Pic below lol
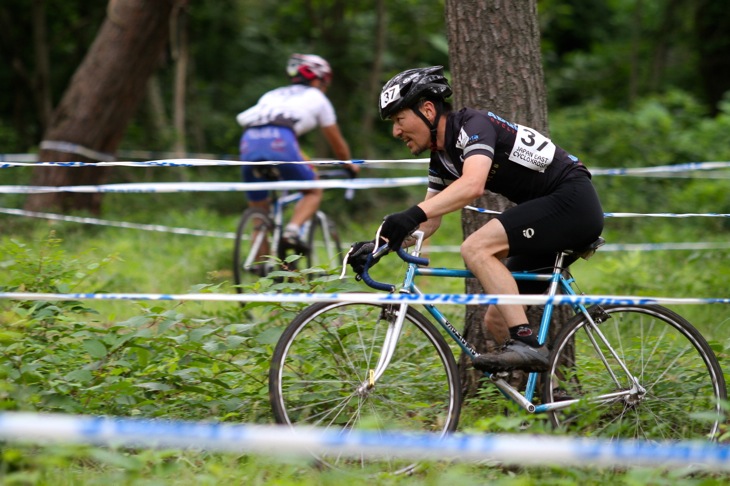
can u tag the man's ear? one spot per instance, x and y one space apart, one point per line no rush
429 110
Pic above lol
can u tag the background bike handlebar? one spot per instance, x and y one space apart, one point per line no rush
403 254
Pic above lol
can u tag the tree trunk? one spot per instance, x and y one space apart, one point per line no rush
374 79
101 98
496 65
181 56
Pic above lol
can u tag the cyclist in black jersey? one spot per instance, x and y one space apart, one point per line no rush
556 204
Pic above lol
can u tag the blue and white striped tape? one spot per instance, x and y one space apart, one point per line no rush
373 298
174 187
205 163
661 169
118 224
610 247
191 160
627 215
279 440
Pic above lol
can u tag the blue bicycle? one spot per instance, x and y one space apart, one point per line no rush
616 371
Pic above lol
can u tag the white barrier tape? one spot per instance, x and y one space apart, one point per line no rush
208 163
118 224
172 187
172 159
431 248
662 169
625 215
611 247
372 298
18 158
666 215
281 440
76 149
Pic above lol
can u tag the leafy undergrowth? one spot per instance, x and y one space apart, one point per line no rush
196 361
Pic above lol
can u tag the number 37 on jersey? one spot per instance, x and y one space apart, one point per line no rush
532 149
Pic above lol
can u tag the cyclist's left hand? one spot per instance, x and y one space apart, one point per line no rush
358 255
397 226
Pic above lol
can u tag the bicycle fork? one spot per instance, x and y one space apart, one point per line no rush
395 319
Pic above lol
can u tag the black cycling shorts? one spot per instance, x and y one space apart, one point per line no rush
571 217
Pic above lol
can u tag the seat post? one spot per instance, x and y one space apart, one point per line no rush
557 271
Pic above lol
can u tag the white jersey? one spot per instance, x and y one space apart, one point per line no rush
300 107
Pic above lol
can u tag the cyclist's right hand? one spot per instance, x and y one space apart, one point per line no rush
352 169
358 255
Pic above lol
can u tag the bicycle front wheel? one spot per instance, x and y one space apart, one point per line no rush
254 237
641 372
322 366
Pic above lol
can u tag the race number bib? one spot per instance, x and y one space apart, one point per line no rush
532 149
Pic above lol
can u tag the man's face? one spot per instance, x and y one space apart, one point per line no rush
408 127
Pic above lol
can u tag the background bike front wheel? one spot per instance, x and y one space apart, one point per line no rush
254 236
325 248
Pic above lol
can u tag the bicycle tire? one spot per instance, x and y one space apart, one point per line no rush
325 355
325 248
249 247
681 377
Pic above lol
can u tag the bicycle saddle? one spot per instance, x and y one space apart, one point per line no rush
587 251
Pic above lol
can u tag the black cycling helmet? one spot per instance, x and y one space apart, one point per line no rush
406 89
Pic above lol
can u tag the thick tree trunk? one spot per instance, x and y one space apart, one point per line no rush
496 65
101 98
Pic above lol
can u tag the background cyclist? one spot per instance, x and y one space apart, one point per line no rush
271 128
557 206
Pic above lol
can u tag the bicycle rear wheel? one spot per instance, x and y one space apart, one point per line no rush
672 391
325 248
319 376
254 237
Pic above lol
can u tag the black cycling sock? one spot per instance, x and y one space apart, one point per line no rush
524 333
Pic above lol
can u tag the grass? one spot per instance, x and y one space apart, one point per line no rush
148 262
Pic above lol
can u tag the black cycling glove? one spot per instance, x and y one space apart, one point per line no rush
397 226
358 255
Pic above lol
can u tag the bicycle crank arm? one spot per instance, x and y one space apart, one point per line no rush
512 393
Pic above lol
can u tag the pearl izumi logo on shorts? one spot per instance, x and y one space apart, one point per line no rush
528 233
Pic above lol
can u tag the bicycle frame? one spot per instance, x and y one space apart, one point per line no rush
557 282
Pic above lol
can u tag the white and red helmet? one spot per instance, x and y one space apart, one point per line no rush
303 68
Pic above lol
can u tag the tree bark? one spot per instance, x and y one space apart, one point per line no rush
496 65
374 81
181 55
101 98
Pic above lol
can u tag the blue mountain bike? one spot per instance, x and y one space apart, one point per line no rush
616 371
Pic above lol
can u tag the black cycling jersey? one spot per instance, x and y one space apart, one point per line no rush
525 164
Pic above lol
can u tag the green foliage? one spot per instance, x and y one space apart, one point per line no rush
660 130
210 362
160 363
